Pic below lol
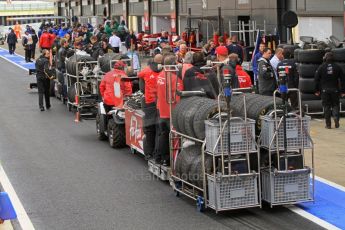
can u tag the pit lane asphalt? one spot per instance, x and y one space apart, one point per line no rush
67 179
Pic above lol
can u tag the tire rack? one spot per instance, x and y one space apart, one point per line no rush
286 180
84 101
200 194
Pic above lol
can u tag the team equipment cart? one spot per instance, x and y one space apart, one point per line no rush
284 137
225 172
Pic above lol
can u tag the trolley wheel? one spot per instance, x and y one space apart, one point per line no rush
200 204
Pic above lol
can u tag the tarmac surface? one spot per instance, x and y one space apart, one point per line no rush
67 179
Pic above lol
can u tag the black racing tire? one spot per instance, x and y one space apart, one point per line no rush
296 54
71 94
105 61
205 112
306 85
338 54
177 111
116 134
71 65
313 106
311 56
195 171
188 115
101 126
309 97
307 70
188 155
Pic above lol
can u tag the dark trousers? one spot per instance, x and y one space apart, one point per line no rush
33 51
43 85
330 102
11 48
150 128
28 54
61 79
116 50
163 145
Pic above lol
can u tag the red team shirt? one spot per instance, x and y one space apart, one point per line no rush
162 103
150 78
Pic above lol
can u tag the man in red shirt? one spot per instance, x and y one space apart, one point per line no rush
113 89
243 77
148 78
162 155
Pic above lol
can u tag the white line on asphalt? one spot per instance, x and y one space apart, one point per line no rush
22 216
330 183
312 218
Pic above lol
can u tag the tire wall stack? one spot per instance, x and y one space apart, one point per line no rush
308 62
339 58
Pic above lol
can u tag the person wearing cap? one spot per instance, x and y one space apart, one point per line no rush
148 79
27 44
330 84
107 86
227 67
162 155
266 76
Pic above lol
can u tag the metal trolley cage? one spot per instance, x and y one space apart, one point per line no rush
309 111
280 184
86 76
220 190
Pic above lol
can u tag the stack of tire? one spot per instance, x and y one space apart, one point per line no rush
190 114
71 68
189 165
308 61
339 58
189 117
256 105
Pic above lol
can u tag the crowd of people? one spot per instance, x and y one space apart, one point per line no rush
109 37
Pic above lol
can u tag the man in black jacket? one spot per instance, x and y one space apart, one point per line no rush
289 64
196 79
43 82
330 83
61 66
266 77
11 41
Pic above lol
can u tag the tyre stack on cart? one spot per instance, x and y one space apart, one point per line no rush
215 173
339 58
82 87
308 61
286 178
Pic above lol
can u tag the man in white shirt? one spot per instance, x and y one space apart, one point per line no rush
278 57
115 42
